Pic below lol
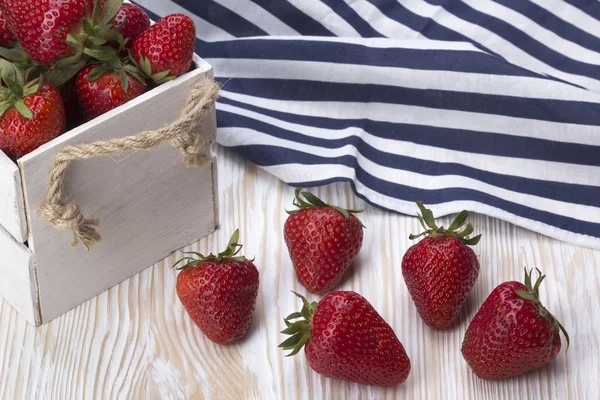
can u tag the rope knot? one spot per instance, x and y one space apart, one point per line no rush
69 217
191 146
192 150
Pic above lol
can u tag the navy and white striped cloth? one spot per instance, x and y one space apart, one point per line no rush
487 105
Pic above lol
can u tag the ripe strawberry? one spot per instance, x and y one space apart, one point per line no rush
45 39
6 36
30 116
132 20
100 88
165 50
345 338
512 333
322 240
441 270
219 292
63 35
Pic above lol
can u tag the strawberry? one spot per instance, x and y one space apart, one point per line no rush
43 38
6 36
165 50
64 35
512 333
30 115
322 240
100 88
345 338
441 269
219 292
132 21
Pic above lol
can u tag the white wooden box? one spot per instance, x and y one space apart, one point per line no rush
149 204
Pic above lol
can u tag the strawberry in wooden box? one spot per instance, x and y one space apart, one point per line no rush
83 210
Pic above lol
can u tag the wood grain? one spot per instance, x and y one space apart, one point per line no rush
12 208
148 203
136 342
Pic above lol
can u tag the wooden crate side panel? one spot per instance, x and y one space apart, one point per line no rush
149 204
12 208
17 277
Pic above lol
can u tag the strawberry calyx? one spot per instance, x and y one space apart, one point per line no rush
229 254
312 201
300 329
123 70
532 294
17 57
146 67
91 44
16 90
454 230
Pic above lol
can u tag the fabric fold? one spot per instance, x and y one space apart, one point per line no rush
492 106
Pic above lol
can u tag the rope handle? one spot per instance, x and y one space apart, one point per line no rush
191 146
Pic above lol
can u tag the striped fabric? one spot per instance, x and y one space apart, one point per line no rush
490 106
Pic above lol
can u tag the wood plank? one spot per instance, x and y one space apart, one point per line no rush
17 277
149 203
135 341
12 208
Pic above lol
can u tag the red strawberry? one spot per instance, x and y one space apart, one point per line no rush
219 292
6 36
64 35
30 116
345 338
322 240
512 333
165 50
441 270
100 88
42 26
132 20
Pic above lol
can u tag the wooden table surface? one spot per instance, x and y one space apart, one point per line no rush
136 342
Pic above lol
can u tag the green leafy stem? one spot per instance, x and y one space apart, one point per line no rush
229 254
312 201
456 229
